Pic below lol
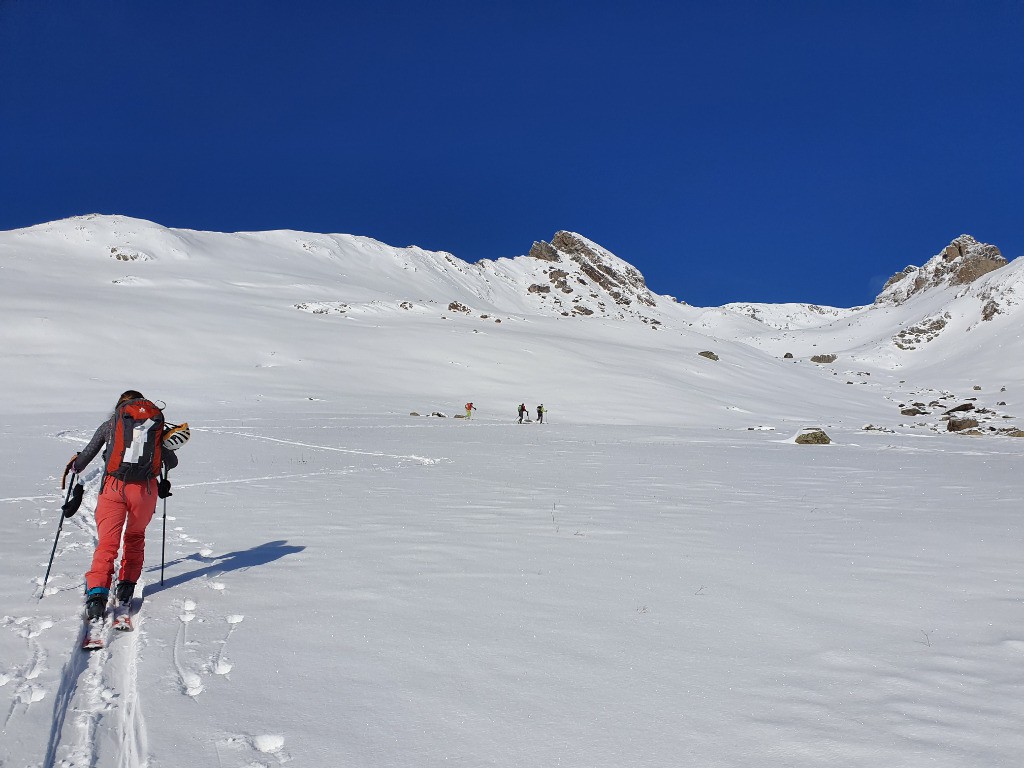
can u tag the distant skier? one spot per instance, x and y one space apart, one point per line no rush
469 410
134 457
522 412
541 410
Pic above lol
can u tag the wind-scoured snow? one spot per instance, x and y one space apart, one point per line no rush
658 575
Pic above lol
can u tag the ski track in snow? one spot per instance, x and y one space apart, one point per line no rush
400 457
97 716
97 708
99 691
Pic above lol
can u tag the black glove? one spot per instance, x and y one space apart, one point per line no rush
71 505
163 488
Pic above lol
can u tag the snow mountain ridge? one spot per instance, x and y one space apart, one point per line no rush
318 313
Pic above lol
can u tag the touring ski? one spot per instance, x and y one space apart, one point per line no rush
95 633
122 618
117 617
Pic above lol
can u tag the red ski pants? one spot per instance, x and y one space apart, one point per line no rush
126 507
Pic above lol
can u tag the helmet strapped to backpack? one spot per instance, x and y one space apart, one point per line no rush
135 452
176 435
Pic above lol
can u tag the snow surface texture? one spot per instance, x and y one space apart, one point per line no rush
657 576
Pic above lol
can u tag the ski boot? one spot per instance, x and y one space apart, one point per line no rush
96 602
125 592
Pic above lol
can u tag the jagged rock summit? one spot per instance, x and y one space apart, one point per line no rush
961 262
570 254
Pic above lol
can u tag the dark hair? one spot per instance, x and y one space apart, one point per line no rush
129 394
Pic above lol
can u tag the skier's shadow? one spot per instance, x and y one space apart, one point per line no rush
220 564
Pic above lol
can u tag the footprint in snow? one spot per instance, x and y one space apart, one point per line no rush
188 611
22 676
221 665
258 746
191 682
269 742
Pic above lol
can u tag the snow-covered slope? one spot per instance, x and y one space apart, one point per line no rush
955 322
659 574
108 301
239 317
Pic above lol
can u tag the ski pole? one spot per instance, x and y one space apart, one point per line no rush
60 525
163 543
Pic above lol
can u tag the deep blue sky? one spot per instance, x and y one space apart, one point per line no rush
762 151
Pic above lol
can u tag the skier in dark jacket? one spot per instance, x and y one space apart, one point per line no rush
126 506
522 412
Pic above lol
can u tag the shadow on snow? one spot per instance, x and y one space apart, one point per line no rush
221 564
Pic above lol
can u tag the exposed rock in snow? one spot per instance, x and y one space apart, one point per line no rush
812 436
622 281
961 262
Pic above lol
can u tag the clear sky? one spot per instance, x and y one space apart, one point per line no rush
754 151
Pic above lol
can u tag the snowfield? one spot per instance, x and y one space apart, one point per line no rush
657 576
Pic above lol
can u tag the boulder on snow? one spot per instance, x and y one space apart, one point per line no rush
959 425
824 358
709 355
788 356
913 412
959 408
813 436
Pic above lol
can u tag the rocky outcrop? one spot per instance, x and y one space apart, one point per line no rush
543 251
129 254
962 261
922 332
620 280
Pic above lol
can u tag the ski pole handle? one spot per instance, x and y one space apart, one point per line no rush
66 470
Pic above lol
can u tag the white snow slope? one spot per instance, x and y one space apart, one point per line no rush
657 576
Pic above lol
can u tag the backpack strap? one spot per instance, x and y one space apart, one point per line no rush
117 444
